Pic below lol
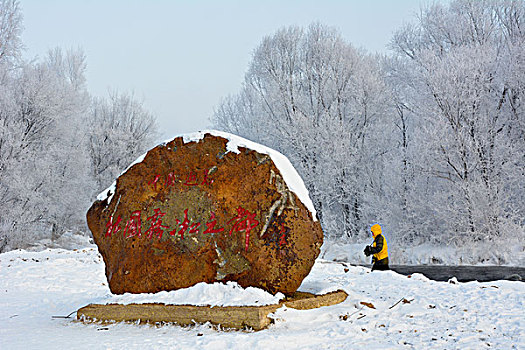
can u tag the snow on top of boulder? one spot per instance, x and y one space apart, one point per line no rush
291 177
110 191
107 193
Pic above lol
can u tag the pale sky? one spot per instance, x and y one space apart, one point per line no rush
181 57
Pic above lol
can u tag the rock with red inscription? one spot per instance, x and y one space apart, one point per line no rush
206 207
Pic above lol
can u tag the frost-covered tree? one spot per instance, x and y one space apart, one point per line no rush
322 103
10 31
43 162
438 154
121 129
49 129
68 176
461 71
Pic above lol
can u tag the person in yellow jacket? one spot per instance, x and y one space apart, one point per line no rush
378 249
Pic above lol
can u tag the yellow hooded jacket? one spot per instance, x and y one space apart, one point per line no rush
383 253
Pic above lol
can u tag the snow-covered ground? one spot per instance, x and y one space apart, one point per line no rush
432 315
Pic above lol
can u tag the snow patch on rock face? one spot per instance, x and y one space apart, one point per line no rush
291 177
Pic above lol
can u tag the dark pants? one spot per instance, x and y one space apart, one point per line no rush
381 265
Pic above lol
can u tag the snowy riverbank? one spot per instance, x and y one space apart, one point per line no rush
480 254
433 315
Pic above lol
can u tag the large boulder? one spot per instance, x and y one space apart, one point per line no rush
206 207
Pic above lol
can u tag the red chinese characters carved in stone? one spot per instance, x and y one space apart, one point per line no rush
210 225
133 226
154 182
156 227
243 222
207 180
170 180
185 225
282 238
112 228
191 180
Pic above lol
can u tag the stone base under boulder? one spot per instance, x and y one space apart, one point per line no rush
235 317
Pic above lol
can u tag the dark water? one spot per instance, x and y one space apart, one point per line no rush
464 273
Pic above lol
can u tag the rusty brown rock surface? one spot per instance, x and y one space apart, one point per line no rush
197 212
